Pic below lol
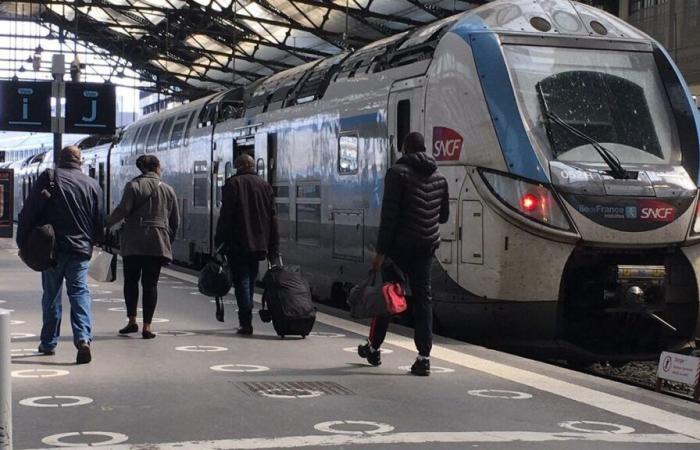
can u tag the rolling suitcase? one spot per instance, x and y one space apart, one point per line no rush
287 303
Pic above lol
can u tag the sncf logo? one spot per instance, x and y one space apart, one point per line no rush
656 211
447 144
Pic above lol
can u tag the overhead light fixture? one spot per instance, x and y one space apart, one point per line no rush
22 69
49 36
30 59
120 74
38 50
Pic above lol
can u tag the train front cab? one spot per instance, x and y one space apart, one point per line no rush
549 244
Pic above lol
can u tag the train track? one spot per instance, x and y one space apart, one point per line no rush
640 374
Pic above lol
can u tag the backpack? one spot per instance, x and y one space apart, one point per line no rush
39 249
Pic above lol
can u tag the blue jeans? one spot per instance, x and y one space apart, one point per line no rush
244 269
74 269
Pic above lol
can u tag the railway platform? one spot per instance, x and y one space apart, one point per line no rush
200 386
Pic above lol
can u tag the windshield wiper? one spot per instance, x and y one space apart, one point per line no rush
609 157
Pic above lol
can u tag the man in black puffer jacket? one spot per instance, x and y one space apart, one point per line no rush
416 201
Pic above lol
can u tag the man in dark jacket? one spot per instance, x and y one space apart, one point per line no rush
248 230
74 208
416 201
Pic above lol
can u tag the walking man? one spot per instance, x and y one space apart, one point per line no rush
149 210
416 201
72 204
247 229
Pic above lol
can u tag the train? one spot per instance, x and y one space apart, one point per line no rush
569 139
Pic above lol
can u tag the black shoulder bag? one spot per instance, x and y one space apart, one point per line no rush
39 249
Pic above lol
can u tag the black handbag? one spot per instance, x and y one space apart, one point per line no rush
215 281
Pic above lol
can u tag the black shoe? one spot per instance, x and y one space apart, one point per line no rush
245 331
46 351
373 357
84 355
421 367
130 328
147 335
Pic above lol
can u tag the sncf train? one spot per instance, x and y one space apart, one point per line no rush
571 146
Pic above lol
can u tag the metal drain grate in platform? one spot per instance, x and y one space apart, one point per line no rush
293 389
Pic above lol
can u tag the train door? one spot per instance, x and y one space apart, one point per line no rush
222 168
405 112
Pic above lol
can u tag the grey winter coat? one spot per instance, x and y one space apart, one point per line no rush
151 218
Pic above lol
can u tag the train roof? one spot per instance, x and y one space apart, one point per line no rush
309 81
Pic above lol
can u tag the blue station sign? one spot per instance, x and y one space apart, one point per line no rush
90 108
25 106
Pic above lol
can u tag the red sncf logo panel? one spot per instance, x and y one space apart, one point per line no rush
656 211
447 144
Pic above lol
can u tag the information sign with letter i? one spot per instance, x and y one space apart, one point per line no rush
25 106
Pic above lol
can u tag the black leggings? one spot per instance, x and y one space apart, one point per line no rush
146 268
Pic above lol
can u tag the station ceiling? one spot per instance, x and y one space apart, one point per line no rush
190 48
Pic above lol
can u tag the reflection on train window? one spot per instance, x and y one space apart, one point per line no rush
260 167
141 140
403 122
101 174
153 137
228 170
281 191
164 136
188 127
201 185
309 223
178 131
283 220
309 191
200 192
348 154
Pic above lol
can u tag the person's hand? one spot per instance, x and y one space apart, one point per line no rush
377 262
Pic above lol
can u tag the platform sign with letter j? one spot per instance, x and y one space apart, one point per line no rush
90 108
25 106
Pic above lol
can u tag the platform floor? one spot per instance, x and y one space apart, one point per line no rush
199 386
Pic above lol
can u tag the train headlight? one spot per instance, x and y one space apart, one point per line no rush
535 201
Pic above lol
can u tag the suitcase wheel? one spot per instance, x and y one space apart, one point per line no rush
281 336
303 336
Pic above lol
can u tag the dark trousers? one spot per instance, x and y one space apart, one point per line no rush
244 268
146 269
417 268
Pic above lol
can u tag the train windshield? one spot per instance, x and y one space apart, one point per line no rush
615 97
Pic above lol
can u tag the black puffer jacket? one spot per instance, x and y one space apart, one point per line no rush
416 200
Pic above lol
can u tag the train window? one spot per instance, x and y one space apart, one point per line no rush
141 140
308 223
188 127
281 193
308 214
228 170
201 185
309 191
403 122
101 174
348 154
283 222
153 137
316 82
164 136
178 131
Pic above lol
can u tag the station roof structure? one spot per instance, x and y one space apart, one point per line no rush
193 47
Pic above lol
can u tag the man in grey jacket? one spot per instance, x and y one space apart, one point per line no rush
149 211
